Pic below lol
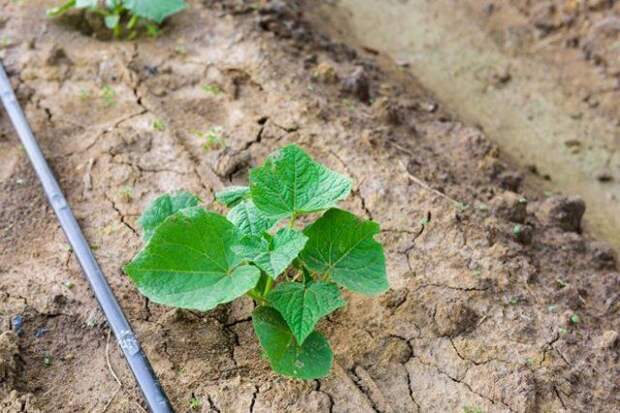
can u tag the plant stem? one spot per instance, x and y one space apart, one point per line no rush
57 11
268 285
256 296
132 22
117 31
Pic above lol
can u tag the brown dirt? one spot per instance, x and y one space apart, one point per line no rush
479 313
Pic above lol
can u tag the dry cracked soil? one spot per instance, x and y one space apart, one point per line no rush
499 302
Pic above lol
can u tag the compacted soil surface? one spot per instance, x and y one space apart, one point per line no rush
498 302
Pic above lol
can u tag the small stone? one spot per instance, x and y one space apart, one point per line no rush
454 318
510 180
18 323
385 110
608 340
563 212
603 256
509 206
357 84
325 73
40 332
604 176
57 56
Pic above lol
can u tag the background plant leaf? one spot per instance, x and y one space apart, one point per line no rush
111 20
162 208
311 360
342 245
275 254
232 195
291 182
303 305
249 219
189 262
155 10
85 4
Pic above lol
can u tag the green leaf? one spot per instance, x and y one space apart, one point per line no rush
341 245
189 262
80 4
62 9
303 305
311 360
111 20
155 10
291 183
162 208
249 219
275 254
232 195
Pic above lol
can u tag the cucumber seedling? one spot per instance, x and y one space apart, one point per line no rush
125 15
198 259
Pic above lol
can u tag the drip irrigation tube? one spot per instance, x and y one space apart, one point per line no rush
137 360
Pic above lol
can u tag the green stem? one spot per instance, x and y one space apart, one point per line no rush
268 285
57 11
117 31
291 223
256 296
132 22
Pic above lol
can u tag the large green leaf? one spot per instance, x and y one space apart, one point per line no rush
342 245
232 195
303 305
311 360
155 10
162 208
292 183
249 219
189 262
273 254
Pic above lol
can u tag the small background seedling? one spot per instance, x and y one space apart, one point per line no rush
85 94
195 403
212 89
517 230
159 125
5 41
126 193
125 17
108 95
468 409
213 137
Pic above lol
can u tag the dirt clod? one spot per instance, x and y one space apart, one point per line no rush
453 319
16 403
608 340
325 73
356 83
509 206
9 353
563 212
386 111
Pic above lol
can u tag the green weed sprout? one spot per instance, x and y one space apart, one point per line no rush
197 259
120 15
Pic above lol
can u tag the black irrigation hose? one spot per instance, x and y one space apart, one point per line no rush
139 364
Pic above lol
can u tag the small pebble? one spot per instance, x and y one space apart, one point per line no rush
17 322
40 332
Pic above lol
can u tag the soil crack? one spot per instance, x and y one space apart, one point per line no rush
121 215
